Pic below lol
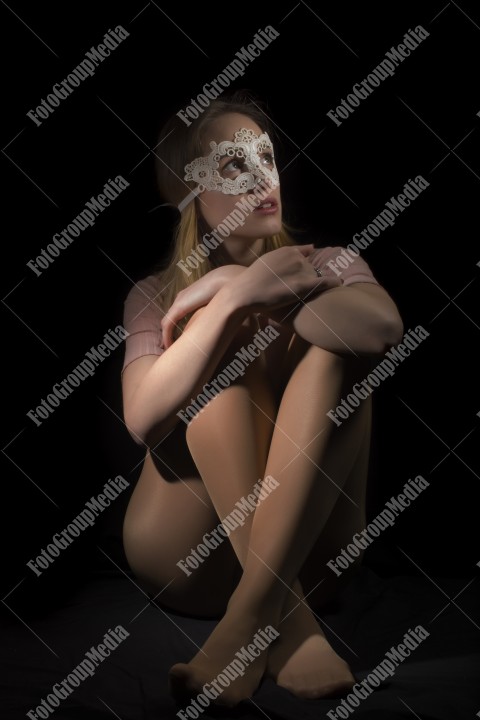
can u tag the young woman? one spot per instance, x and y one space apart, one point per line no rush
231 275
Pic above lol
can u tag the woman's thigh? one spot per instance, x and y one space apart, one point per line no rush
169 515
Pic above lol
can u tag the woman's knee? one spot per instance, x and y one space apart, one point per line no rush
302 353
324 366
347 365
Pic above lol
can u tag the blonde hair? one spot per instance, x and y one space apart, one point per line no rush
178 145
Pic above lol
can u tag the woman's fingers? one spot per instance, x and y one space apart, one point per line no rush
306 249
167 325
326 282
195 296
176 312
182 306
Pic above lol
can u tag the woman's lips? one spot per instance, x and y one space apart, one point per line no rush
267 207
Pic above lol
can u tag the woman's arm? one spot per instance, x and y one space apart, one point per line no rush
356 319
156 388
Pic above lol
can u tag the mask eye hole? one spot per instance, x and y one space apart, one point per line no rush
234 165
267 158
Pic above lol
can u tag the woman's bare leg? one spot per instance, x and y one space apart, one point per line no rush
168 514
229 440
302 660
284 528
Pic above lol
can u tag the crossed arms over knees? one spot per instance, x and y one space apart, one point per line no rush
358 319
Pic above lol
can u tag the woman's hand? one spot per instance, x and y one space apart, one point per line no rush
280 277
196 296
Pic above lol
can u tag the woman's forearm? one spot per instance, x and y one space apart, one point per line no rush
359 319
178 375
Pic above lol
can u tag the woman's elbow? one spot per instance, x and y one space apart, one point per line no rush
135 427
136 434
388 333
395 329
148 431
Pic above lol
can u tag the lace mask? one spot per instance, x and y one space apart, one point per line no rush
248 147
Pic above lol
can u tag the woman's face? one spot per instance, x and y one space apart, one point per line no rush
215 206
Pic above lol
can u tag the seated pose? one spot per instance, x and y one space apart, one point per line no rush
239 347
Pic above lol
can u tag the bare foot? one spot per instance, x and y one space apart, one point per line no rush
302 660
231 663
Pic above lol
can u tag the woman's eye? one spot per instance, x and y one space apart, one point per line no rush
268 159
235 164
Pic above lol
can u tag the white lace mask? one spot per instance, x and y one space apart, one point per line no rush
247 147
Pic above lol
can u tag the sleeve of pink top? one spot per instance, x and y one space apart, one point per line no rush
141 318
356 271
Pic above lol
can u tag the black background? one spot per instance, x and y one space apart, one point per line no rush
424 120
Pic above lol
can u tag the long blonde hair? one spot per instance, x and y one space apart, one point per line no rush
177 145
